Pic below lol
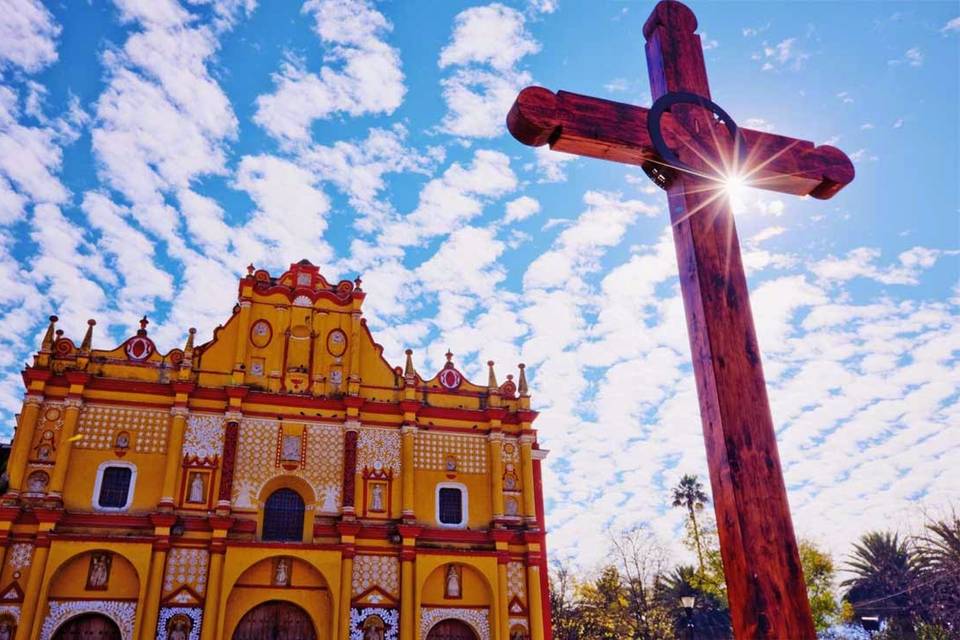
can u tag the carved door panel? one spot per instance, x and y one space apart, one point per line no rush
275 621
451 630
91 626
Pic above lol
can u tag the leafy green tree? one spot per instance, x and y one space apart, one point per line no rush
689 494
710 617
885 576
642 559
603 607
818 573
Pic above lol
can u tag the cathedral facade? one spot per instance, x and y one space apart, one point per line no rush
281 481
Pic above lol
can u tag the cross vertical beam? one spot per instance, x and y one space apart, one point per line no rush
761 561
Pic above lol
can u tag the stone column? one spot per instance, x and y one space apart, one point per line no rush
171 474
31 611
211 603
229 462
72 406
503 597
534 600
349 467
158 563
23 439
495 440
408 556
526 465
346 593
407 438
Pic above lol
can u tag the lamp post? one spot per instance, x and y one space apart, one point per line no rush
687 603
870 624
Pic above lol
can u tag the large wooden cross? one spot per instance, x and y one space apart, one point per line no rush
690 146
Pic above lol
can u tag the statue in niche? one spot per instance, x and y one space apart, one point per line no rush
511 507
44 454
99 573
518 633
179 627
123 440
37 482
7 627
329 500
373 628
376 497
451 463
291 449
281 575
452 583
197 491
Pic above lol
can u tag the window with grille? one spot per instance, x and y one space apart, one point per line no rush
115 487
283 516
450 506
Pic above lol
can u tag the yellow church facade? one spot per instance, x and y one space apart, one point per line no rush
280 481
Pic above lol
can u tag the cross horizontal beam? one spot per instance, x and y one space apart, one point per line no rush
615 131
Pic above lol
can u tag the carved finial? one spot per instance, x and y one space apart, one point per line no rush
449 356
47 344
143 326
188 348
88 336
250 269
522 385
491 378
408 371
59 333
356 283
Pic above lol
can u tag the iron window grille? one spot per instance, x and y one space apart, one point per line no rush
451 505
283 516
115 487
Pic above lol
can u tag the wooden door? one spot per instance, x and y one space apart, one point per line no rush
451 630
275 620
89 626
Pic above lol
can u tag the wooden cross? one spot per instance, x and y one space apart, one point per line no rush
688 145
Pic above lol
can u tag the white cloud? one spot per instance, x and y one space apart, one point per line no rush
861 263
783 55
550 164
28 35
952 25
485 47
912 57
367 79
521 209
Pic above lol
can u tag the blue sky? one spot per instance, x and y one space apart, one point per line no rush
150 150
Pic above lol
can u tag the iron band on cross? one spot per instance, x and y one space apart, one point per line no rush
662 175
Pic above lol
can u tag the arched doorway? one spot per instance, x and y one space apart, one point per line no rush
275 620
89 626
451 630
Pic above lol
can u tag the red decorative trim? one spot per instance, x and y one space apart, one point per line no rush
349 528
162 519
15 586
231 436
237 392
269 333
77 377
349 468
342 350
183 387
40 375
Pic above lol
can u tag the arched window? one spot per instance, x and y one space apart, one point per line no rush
283 516
451 504
113 489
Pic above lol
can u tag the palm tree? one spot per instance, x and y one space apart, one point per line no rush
938 562
689 493
885 577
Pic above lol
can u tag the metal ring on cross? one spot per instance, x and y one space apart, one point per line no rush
667 155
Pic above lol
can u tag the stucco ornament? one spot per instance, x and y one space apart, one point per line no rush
378 449
20 555
478 619
121 612
376 571
203 437
390 617
516 582
11 610
194 613
188 567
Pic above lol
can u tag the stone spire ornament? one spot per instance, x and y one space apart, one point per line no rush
522 384
142 331
492 385
88 336
409 373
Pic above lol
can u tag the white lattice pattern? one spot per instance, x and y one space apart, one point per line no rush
390 617
194 613
203 437
516 581
99 424
20 555
433 449
12 610
121 612
378 448
379 571
186 567
478 619
257 454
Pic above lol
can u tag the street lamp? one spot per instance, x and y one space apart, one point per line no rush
687 603
870 623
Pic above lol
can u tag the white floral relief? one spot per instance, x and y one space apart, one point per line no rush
203 437
12 610
376 571
478 619
194 613
121 612
378 449
516 581
433 449
20 555
257 459
186 567
390 617
99 424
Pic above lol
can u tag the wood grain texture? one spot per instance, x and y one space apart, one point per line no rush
761 561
